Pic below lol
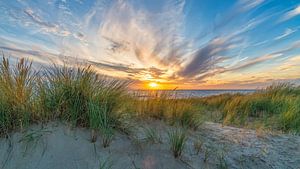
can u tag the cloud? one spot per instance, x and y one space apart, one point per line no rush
290 14
255 61
260 43
286 33
117 47
132 72
251 62
241 7
39 57
44 59
290 63
53 28
206 57
26 52
46 26
153 38
211 71
249 4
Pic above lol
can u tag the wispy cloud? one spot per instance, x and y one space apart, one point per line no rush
46 26
205 58
247 63
290 14
249 4
149 36
286 33
290 63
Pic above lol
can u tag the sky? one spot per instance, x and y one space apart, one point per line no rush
184 44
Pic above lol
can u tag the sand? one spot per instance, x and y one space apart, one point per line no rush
59 146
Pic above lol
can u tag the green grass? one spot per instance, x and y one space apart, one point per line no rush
177 139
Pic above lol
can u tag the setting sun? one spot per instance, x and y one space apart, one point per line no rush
153 85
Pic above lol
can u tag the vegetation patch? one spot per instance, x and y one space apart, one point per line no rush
177 139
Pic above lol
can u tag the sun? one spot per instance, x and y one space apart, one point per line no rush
153 85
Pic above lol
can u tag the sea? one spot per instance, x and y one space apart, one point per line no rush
188 93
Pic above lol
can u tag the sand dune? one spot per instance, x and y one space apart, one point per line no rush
58 146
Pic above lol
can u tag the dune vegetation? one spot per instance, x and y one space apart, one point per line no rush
81 97
275 108
75 95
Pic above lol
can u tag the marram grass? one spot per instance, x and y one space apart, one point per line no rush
277 108
17 95
84 98
77 95
177 140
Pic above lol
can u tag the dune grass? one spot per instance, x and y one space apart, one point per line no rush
177 139
81 97
84 98
76 95
275 108
152 135
166 106
16 96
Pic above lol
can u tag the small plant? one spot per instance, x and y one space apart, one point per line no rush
93 136
106 124
206 154
137 142
107 136
31 138
152 135
222 161
198 145
106 164
177 140
189 119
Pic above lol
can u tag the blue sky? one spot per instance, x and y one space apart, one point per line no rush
195 44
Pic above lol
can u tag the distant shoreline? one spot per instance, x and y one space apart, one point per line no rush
179 94
195 89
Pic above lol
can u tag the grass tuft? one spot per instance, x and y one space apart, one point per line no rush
16 96
106 164
152 135
77 95
177 139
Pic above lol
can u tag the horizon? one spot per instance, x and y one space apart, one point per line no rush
161 45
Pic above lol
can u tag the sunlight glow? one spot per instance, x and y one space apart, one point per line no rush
153 85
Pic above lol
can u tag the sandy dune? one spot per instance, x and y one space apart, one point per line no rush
57 146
